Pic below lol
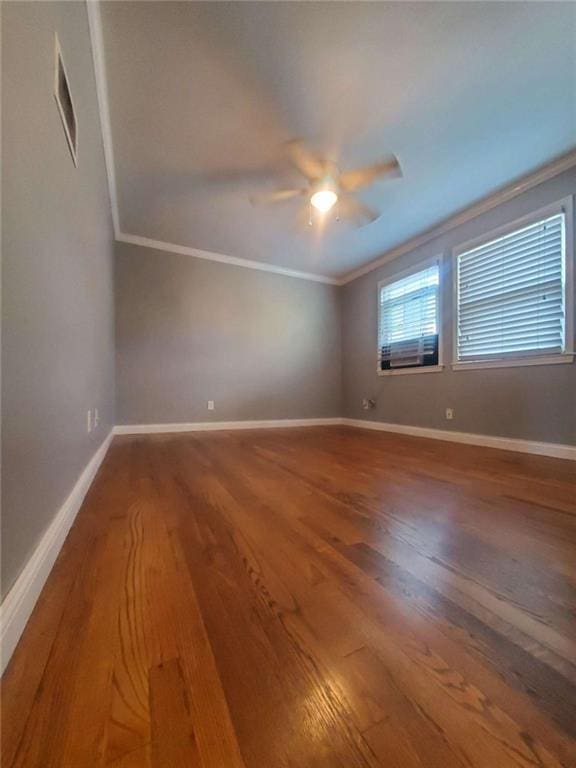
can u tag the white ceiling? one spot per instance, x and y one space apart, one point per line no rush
203 95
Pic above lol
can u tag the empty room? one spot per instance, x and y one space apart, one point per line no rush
288 434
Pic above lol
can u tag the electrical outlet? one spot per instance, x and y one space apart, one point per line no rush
449 413
210 405
88 420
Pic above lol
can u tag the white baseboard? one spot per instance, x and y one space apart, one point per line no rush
556 450
20 601
210 426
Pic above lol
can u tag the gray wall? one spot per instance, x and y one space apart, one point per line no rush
57 292
261 345
535 403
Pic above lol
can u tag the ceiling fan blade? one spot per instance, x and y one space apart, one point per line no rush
361 177
276 197
358 213
309 164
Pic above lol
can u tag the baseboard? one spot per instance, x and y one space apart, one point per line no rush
20 601
210 426
556 450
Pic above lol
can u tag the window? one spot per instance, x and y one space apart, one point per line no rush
512 294
408 321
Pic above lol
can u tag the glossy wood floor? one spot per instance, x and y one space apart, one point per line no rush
309 598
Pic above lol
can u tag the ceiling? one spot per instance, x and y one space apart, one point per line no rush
202 97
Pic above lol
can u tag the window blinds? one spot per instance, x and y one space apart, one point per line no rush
510 294
408 317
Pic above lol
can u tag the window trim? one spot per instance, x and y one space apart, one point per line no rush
566 206
419 267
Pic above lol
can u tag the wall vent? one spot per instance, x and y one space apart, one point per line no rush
64 101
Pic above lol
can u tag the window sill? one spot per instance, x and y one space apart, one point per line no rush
514 363
416 369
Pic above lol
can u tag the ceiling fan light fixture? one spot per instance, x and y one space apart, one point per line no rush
324 199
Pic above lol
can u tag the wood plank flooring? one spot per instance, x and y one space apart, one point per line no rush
305 598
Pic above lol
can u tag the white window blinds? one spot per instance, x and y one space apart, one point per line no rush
408 320
510 294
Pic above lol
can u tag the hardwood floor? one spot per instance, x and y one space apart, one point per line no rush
308 598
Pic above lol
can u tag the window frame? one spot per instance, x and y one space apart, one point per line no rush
566 206
419 267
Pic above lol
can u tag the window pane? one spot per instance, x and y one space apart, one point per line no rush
510 294
408 330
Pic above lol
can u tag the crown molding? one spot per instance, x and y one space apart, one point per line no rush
97 42
545 172
502 195
185 250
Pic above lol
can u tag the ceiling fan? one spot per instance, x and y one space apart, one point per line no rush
327 186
